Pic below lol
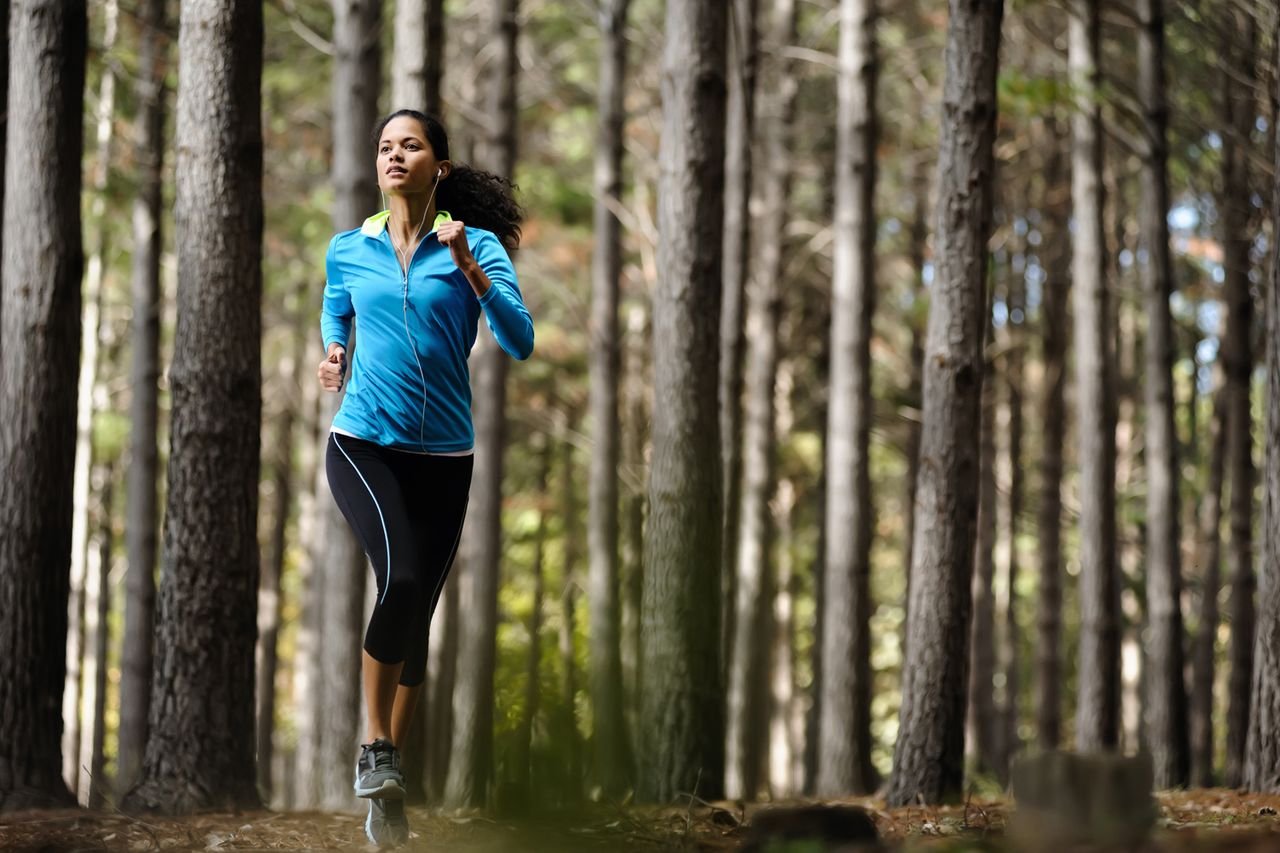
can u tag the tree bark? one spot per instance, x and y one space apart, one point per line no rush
747 718
1237 358
199 751
1204 656
41 329
612 763
144 375
682 742
844 721
740 125
1262 755
1098 690
4 113
981 719
470 765
416 62
929 754
1165 704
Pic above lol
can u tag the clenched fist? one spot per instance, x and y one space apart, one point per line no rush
333 368
454 235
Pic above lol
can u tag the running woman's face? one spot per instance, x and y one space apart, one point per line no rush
406 163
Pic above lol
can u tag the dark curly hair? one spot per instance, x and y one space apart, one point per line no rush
471 195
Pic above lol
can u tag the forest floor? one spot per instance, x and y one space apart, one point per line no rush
1200 820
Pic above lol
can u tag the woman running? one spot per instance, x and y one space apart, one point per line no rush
417 277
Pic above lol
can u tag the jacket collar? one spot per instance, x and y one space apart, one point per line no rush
376 224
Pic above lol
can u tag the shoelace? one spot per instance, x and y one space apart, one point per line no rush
384 755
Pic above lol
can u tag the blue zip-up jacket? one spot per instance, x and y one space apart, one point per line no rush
410 387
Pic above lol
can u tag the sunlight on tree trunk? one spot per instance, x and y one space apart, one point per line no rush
141 509
844 719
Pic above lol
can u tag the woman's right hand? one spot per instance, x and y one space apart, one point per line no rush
333 367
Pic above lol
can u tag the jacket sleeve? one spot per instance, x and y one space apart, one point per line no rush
336 313
503 305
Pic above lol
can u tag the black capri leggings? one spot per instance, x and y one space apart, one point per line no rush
407 511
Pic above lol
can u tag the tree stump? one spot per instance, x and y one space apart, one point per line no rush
1065 799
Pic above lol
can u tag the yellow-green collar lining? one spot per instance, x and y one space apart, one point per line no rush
376 224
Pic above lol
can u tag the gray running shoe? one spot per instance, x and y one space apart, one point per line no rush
378 771
387 825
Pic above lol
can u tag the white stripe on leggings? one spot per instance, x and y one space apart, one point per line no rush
385 536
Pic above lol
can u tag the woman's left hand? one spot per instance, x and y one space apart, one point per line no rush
454 235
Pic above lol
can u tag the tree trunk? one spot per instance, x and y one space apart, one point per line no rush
1098 690
1262 757
682 743
612 762
73 708
747 720
470 765
144 375
41 329
1009 740
929 754
417 62
1165 702
1054 325
980 721
4 111
844 723
1204 657
1237 359
199 751
740 126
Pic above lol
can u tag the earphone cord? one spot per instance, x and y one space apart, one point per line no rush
413 243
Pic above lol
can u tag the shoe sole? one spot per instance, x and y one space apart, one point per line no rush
388 790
